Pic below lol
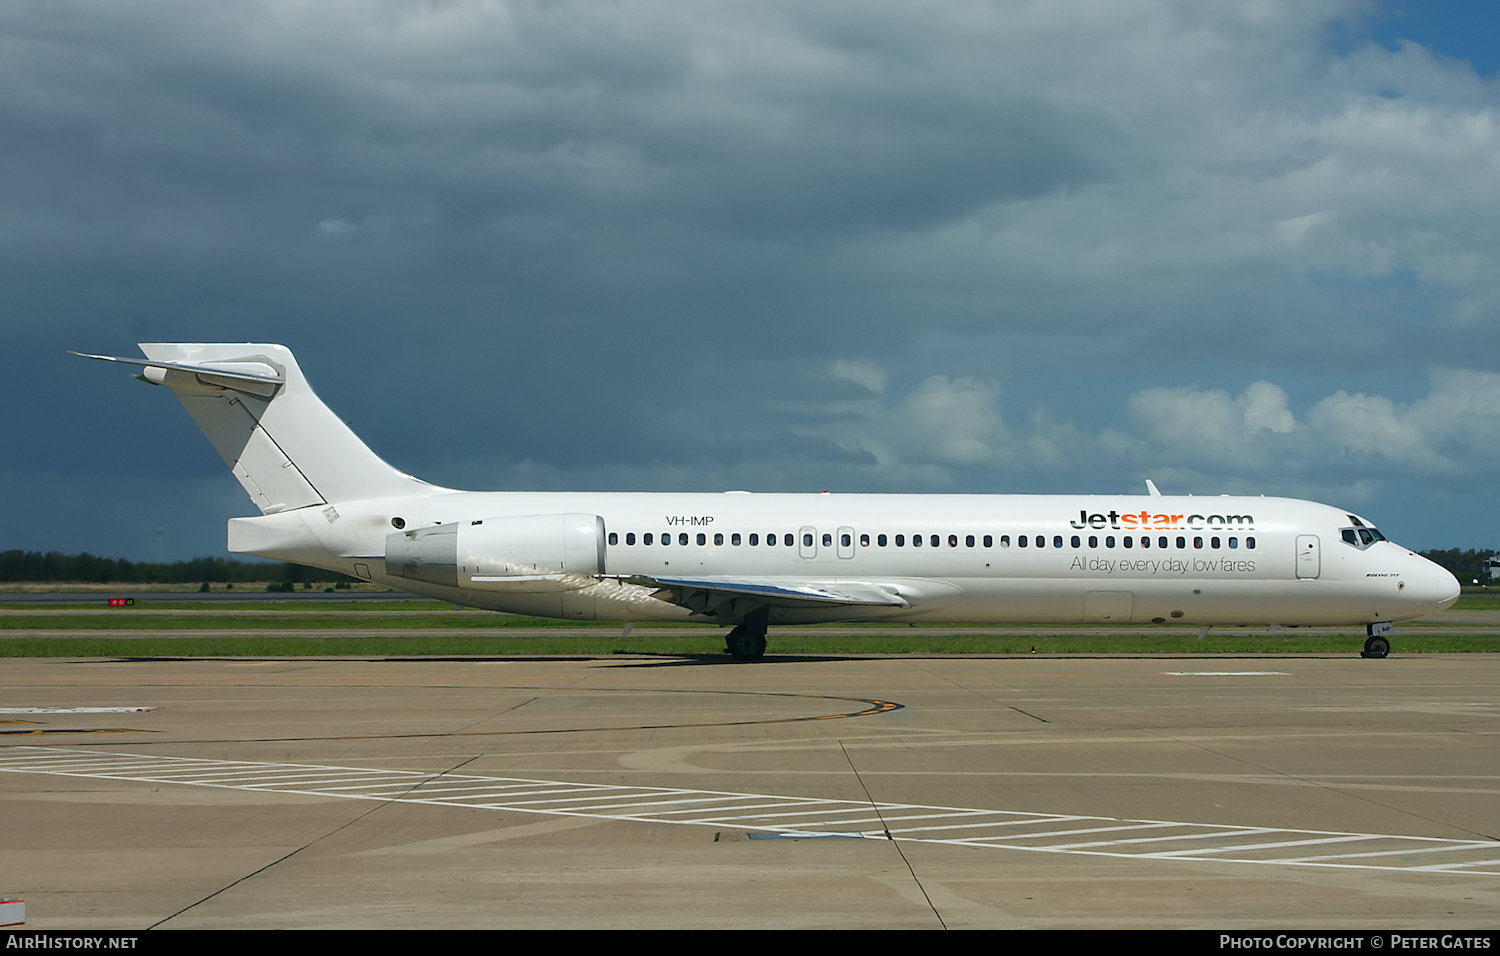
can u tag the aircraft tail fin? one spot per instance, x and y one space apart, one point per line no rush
285 446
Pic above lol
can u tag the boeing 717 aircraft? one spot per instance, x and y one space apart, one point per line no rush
749 561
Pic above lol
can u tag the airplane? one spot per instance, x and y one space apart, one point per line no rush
747 561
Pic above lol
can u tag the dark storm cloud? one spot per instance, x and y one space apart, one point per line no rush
875 245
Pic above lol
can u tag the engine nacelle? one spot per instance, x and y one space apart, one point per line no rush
517 553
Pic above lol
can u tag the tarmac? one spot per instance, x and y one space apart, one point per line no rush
1311 792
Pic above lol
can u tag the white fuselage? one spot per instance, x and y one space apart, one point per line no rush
749 560
952 558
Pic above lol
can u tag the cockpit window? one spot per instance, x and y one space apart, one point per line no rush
1361 535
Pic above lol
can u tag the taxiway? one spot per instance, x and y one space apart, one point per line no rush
1308 792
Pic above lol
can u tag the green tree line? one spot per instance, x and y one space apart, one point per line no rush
1465 565
34 566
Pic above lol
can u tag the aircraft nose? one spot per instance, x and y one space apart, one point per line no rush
1432 584
1448 589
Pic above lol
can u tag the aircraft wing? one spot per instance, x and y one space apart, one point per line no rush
713 594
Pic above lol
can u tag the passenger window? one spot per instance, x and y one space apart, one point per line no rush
1005 541
1021 540
916 541
1093 541
827 540
1181 542
702 539
1198 542
647 538
934 540
1214 542
1057 541
807 540
1128 541
1234 543
787 539
630 537
734 539
614 538
969 541
1076 541
1161 542
718 539
989 541
845 540
1109 541
1250 542
900 540
880 540
682 538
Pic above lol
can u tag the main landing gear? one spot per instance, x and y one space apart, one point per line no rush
1378 643
747 640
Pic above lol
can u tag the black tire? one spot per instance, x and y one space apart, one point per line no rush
745 646
1376 647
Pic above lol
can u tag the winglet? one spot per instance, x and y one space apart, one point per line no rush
1151 489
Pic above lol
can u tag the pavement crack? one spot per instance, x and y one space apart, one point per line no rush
310 843
892 840
983 696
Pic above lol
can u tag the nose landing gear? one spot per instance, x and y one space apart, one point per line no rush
1378 643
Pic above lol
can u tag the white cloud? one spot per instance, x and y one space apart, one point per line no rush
1265 408
862 372
952 421
1204 439
1208 426
1369 426
336 228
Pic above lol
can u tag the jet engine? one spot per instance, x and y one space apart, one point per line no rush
522 553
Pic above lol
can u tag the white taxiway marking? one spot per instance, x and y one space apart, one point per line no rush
789 816
75 710
1226 673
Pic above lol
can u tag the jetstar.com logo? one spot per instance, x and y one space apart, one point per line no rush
1146 521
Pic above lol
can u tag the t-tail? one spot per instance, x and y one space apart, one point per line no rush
286 447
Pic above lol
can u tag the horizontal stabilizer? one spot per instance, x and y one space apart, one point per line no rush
260 378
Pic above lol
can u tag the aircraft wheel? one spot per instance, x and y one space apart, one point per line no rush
1376 647
745 645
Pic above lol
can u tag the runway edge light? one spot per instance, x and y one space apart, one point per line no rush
12 912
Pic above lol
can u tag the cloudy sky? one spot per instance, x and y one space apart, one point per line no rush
782 245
